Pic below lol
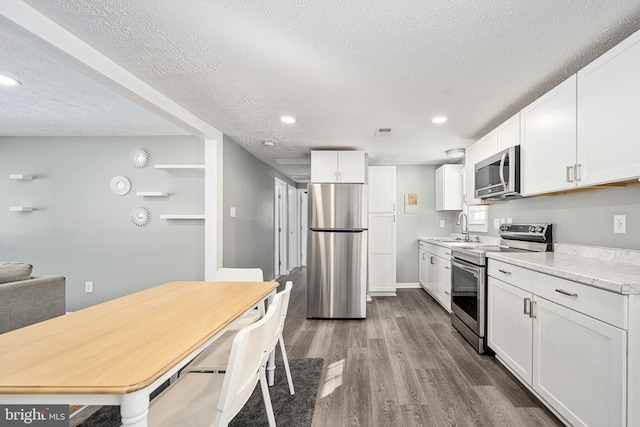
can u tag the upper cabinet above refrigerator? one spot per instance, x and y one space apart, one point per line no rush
338 166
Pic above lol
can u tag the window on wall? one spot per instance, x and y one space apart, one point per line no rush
478 218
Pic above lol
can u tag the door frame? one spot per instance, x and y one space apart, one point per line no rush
280 227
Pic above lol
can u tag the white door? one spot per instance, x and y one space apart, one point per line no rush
579 365
422 263
303 210
351 166
382 229
443 282
548 142
608 125
382 270
292 229
324 166
509 328
280 227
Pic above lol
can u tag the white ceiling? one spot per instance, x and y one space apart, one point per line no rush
341 68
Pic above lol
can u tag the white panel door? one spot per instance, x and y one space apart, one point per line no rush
382 188
352 166
292 229
509 328
303 211
579 365
548 141
608 125
382 258
324 166
509 133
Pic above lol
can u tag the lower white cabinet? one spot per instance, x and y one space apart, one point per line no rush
579 365
435 272
574 362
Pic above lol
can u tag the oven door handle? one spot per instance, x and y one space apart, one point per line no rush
465 268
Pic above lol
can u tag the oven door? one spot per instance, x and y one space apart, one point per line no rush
468 294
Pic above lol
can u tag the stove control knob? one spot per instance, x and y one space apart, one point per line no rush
532 229
539 229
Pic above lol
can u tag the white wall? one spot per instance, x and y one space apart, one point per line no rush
81 230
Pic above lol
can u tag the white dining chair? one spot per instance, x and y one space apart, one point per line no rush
215 359
194 399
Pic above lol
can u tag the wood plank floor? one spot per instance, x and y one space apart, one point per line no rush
404 365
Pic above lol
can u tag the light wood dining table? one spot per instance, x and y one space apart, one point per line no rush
118 352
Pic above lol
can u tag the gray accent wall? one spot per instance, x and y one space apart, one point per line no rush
81 230
249 187
420 179
581 218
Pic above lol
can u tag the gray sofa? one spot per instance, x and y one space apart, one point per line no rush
26 299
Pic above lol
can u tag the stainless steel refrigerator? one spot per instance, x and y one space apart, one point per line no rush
337 251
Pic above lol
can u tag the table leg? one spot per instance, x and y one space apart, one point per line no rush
135 408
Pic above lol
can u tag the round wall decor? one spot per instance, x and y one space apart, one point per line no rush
140 216
120 185
140 157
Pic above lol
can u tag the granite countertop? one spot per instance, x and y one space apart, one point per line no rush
595 269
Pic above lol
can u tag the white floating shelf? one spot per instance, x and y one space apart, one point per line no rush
20 209
174 216
21 177
181 168
151 193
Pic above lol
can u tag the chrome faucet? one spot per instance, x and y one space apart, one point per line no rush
464 225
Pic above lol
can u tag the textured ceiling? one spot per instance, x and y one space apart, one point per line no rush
341 68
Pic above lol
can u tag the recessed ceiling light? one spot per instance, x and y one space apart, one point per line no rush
439 119
288 119
455 153
8 81
267 143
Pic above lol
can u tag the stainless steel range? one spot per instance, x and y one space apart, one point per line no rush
469 280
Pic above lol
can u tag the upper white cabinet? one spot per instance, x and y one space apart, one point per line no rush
449 188
476 152
548 141
382 189
338 166
608 124
508 133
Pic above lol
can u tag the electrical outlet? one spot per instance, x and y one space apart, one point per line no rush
619 223
232 212
442 223
88 287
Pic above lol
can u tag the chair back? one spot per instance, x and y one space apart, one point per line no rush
239 275
282 306
249 352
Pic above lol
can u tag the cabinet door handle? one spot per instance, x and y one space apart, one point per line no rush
533 309
447 253
447 292
567 293
431 260
527 306
569 173
504 272
578 170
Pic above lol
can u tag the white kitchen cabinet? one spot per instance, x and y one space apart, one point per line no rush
558 344
423 260
338 166
449 188
435 272
579 365
508 133
382 230
509 330
382 189
476 152
548 141
608 125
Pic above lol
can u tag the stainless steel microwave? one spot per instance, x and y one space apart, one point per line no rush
498 177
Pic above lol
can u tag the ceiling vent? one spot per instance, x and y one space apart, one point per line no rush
384 131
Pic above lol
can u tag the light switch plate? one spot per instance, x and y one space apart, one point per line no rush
442 223
232 212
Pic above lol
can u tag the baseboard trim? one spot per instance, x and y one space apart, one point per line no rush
410 285
382 293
